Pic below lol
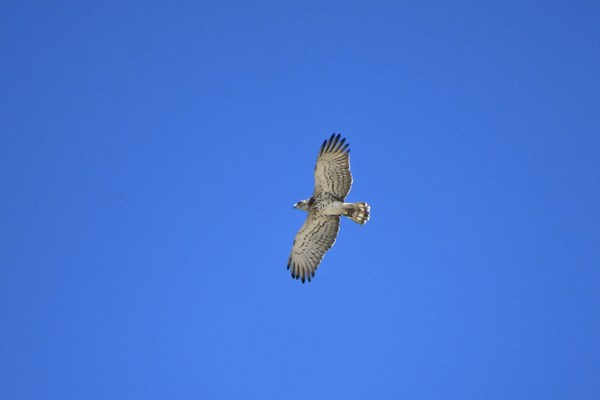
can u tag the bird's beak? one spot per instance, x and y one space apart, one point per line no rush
295 205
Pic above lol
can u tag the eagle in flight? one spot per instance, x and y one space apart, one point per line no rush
332 184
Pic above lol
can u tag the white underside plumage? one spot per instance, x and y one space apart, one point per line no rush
333 208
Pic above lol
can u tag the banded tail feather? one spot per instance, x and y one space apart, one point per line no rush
357 212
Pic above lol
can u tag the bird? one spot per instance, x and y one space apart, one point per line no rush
325 207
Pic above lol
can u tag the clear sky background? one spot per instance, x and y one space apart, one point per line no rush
151 153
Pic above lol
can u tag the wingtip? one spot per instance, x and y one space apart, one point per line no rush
330 143
335 143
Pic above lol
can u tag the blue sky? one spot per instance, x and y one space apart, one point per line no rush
151 152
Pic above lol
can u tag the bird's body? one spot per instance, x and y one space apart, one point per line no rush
324 205
332 184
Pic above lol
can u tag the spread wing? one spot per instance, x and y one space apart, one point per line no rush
316 236
332 172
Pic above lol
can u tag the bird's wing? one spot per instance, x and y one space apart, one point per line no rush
332 172
316 236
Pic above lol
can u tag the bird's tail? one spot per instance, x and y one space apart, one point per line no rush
357 212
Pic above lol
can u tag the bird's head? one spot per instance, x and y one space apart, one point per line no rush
302 205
